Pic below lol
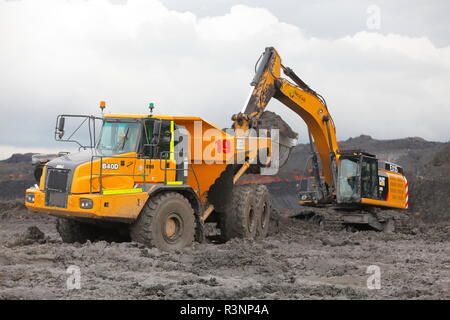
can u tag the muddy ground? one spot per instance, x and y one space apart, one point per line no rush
297 262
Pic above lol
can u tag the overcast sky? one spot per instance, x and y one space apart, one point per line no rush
383 66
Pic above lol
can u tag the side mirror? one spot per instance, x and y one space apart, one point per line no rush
60 128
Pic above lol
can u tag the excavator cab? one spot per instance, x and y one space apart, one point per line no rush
357 177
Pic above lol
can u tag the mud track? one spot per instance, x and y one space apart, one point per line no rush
297 261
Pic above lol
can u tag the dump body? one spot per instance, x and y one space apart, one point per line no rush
99 183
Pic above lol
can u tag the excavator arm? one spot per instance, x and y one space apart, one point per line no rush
301 99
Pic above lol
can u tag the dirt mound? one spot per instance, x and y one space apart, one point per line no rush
287 137
16 175
19 157
410 153
271 120
430 188
32 235
11 207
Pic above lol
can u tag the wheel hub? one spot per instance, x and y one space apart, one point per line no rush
173 227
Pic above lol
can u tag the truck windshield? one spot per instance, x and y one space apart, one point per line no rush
118 137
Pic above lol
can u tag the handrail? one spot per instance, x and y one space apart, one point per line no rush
176 169
101 174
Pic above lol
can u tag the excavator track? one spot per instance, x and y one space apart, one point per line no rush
333 219
331 222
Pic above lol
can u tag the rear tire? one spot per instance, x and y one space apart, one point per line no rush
263 208
167 222
239 219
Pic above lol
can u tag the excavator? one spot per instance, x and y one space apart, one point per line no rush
353 183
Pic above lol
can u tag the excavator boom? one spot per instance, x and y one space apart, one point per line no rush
298 97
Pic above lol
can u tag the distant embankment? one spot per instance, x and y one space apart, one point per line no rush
16 175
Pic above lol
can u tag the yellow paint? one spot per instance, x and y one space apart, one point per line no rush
172 142
393 204
174 182
122 191
124 206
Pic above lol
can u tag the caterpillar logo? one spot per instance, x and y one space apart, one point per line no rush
110 166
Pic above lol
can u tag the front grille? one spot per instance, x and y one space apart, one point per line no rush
56 187
57 180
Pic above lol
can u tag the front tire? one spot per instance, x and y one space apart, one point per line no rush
167 222
72 231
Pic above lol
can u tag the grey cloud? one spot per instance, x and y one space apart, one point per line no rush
334 19
66 59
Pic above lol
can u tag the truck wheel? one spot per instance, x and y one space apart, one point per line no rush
239 219
74 231
166 222
263 208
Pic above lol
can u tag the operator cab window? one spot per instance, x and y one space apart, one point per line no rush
118 137
348 183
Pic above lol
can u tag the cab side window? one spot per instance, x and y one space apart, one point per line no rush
164 140
369 178
157 146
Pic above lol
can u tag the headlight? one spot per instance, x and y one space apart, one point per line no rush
86 203
29 197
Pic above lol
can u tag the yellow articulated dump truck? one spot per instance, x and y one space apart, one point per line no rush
154 179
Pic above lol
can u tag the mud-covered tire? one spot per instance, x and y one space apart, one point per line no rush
72 231
239 219
166 222
263 209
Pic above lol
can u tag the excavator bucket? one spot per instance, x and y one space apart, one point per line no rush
287 137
